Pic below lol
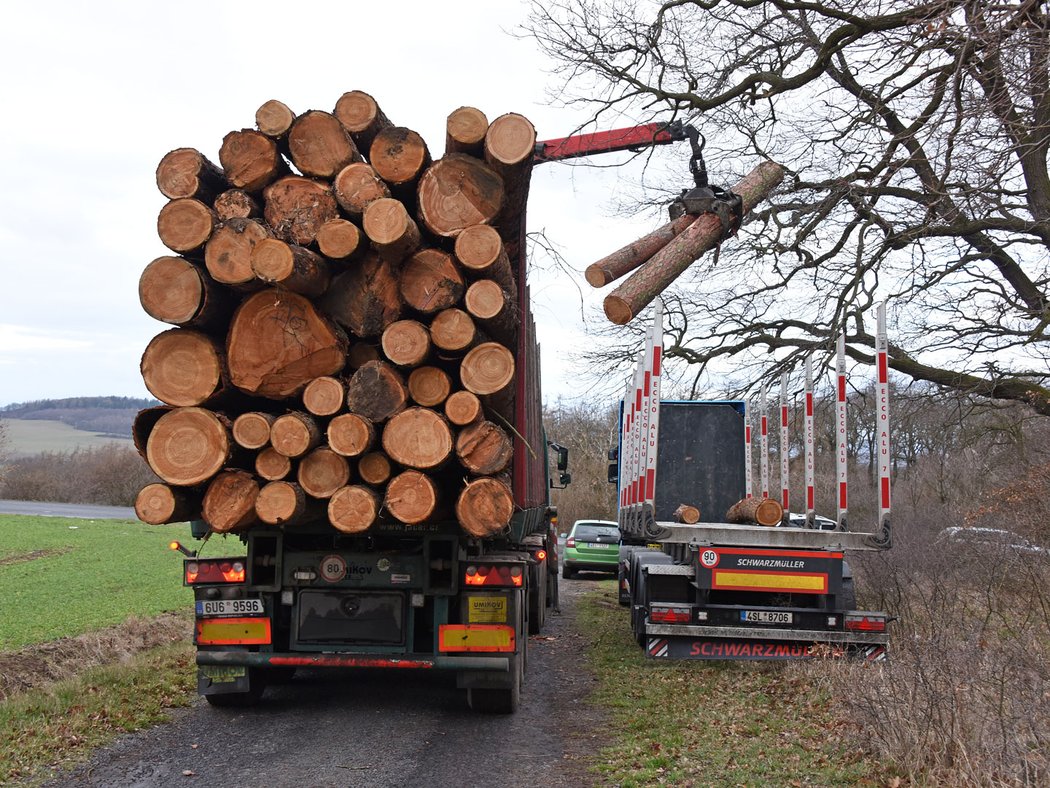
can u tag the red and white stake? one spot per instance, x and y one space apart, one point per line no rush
748 471
785 466
763 448
841 434
883 411
810 446
652 373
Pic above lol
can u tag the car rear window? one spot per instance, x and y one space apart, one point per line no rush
585 532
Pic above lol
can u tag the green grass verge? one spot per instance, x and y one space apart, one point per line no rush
709 723
59 726
62 577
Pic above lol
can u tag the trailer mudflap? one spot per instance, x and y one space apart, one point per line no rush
348 660
690 642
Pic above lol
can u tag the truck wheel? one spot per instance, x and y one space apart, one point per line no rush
497 701
537 599
623 595
567 573
240 699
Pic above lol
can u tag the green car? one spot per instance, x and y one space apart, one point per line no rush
593 545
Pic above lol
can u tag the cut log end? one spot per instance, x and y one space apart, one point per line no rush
322 472
487 368
159 503
411 497
353 509
465 130
252 429
760 511
229 503
182 367
271 465
274 118
687 514
185 225
484 507
510 140
294 434
350 434
463 408
618 310
188 446
406 343
596 276
429 386
418 438
324 396
374 468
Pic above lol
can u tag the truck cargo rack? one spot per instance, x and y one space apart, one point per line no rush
729 535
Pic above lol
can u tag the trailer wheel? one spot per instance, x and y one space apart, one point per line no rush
623 595
238 700
567 573
497 701
537 598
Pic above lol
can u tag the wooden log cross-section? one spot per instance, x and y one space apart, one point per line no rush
760 511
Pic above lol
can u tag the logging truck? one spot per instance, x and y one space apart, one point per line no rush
711 566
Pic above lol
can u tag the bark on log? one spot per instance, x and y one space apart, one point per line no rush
480 251
324 396
364 298
390 229
429 386
459 191
453 331
186 172
463 408
686 514
430 281
484 507
274 119
374 468
761 511
320 145
251 160
637 292
296 207
185 225
294 434
290 267
487 369
229 503
228 254
362 117
465 131
399 156
509 146
361 353
356 186
322 472
236 204
285 503
160 503
188 446
418 438
406 343
350 434
623 261
278 343
353 509
271 465
182 367
174 290
338 239
484 449
411 497
376 391
251 430
493 307
143 424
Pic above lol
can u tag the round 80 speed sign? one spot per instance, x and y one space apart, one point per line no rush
333 568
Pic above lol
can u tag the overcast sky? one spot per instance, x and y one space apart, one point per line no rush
94 94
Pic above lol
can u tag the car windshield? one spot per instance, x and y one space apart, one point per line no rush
585 531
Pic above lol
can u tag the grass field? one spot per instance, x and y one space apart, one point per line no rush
63 577
27 437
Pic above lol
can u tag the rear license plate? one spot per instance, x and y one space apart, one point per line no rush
229 607
223 674
599 545
766 617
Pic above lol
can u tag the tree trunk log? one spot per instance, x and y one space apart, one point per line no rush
411 497
459 191
487 369
324 396
322 472
251 430
353 509
376 391
338 239
625 260
351 434
294 434
357 186
142 426
406 343
274 119
637 292
480 251
465 131
236 204
229 503
285 503
174 290
463 408
251 160
418 438
186 172
429 386
320 145
296 208
390 229
278 343
374 468
271 465
453 331
430 281
399 156
185 225
484 449
290 267
510 143
687 514
484 507
362 117
188 446
494 308
762 511
182 367
228 255
160 503
365 296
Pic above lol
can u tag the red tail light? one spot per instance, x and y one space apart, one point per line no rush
862 623
494 575
670 615
213 570
541 555
570 542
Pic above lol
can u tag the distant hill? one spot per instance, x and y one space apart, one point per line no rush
104 416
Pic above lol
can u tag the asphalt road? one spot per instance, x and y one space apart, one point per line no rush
377 729
77 510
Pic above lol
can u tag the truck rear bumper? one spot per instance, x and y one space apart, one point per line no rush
292 659
703 642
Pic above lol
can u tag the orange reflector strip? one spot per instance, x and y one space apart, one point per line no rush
475 637
233 631
744 580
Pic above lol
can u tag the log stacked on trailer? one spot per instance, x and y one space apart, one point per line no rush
347 324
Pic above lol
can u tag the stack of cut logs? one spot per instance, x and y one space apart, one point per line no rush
347 323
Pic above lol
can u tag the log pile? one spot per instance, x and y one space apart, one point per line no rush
346 323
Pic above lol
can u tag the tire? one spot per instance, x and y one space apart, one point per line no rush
279 675
537 599
567 573
240 700
497 701
622 596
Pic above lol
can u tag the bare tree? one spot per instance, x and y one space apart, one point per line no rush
916 134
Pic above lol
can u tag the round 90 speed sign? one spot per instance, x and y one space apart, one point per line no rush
709 559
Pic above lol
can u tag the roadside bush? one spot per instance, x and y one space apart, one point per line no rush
109 475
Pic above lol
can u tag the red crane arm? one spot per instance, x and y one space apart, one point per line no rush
608 141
